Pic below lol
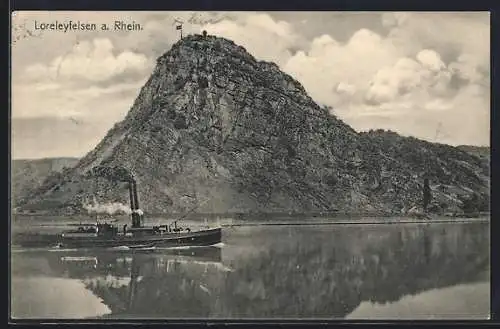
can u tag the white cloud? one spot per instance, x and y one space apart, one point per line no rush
427 74
463 118
450 33
91 81
468 68
328 63
262 36
369 64
93 61
265 22
402 85
430 60
345 88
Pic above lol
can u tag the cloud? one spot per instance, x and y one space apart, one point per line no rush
376 80
345 88
91 81
449 33
260 34
369 64
425 74
430 60
90 61
327 63
463 118
467 68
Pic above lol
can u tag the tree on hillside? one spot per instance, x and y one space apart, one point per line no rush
474 203
427 196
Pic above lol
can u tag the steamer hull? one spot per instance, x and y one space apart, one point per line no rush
207 237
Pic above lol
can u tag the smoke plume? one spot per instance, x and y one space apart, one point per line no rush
139 212
107 208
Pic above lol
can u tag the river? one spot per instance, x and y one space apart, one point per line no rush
397 271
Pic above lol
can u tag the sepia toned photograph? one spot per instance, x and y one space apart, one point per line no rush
250 165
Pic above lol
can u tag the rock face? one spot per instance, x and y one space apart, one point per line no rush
213 123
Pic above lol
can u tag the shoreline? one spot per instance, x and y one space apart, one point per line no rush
228 223
262 216
364 222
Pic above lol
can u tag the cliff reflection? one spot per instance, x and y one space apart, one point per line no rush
148 283
317 273
292 272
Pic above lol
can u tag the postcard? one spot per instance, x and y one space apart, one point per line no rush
250 165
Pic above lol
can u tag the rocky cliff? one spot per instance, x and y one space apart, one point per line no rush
214 123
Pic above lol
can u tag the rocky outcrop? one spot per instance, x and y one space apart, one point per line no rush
213 123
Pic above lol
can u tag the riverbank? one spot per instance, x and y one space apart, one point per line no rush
365 221
250 216
57 224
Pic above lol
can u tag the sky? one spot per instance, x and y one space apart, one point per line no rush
420 74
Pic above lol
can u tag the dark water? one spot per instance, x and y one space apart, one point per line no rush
408 271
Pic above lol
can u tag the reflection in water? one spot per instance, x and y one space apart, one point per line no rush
119 281
318 273
293 272
466 302
42 297
160 285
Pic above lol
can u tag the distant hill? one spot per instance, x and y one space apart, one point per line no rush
214 126
27 174
480 151
457 174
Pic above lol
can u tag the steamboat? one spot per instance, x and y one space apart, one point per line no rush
138 235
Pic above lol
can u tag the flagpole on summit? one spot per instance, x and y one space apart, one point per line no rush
178 25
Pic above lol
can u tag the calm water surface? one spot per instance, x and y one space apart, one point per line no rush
410 271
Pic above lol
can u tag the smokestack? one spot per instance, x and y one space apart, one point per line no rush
136 199
132 203
136 217
131 192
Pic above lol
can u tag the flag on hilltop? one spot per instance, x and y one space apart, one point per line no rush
178 26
